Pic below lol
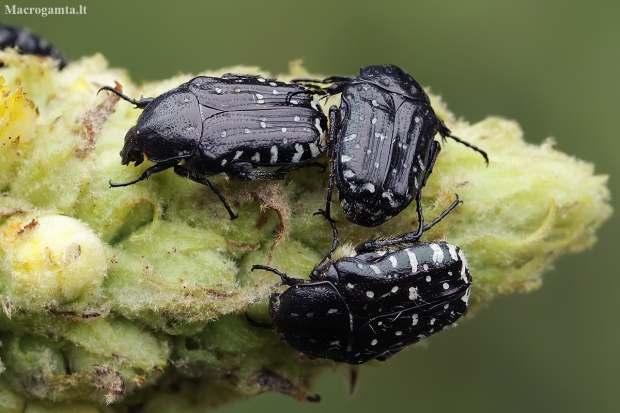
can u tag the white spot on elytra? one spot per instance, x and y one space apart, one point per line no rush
445 307
294 101
425 267
273 83
428 278
285 140
414 319
350 286
238 154
218 90
437 253
370 294
369 187
393 261
360 266
464 266
314 150
274 154
375 269
446 286
413 293
223 134
256 157
260 101
260 79
394 289
465 297
223 162
275 92
345 158
376 164
317 125
350 137
373 121
417 119
296 118
399 333
348 173
452 251
374 342
432 322
259 96
413 260
263 125
332 311
299 148
247 131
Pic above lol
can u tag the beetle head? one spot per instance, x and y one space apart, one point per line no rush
169 128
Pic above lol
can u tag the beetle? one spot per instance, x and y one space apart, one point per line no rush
381 143
369 305
29 43
232 125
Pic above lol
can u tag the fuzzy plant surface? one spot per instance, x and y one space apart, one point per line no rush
135 298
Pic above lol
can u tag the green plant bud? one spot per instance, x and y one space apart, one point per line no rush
50 260
138 295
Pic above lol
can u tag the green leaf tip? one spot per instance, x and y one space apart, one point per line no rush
109 292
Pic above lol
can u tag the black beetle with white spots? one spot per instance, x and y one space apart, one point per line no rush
372 304
237 124
381 143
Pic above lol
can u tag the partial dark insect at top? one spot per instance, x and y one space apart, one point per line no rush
381 143
237 125
29 43
373 303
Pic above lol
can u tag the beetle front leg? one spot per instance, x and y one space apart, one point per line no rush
286 280
186 172
140 104
145 175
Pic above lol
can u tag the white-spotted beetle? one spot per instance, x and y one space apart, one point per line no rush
381 143
371 304
233 125
29 43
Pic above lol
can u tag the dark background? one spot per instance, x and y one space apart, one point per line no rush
553 66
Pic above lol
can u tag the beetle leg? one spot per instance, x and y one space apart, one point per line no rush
408 238
140 104
241 174
186 172
334 120
145 175
255 323
286 280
